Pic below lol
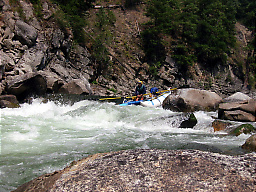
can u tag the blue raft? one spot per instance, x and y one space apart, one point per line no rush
130 103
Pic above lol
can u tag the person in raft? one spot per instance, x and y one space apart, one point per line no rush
140 91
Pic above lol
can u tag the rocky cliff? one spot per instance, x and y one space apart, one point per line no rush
37 57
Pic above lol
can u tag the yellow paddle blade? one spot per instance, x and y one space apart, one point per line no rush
166 90
102 99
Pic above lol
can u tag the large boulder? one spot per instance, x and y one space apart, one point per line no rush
76 86
238 115
238 111
189 100
56 66
250 143
151 170
237 97
6 63
54 82
9 101
25 33
81 59
26 85
34 57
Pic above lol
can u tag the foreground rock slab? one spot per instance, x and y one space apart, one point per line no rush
152 170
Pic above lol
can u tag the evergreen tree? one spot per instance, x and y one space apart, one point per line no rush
215 31
74 12
199 30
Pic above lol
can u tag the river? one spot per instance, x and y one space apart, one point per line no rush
45 136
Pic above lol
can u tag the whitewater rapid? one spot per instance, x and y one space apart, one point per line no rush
45 136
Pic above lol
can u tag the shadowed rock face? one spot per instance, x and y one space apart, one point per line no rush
152 170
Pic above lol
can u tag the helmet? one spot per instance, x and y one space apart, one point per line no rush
140 82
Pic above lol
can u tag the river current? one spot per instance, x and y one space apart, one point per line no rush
45 136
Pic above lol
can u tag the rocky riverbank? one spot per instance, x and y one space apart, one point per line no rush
152 170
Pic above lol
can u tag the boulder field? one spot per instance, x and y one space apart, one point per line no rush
237 107
152 170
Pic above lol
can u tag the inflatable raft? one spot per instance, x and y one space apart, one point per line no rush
157 102
130 103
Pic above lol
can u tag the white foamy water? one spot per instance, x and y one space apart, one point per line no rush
43 137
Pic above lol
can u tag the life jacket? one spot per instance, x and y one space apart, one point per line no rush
154 90
140 90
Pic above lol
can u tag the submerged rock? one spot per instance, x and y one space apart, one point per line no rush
152 170
244 128
190 122
220 125
250 143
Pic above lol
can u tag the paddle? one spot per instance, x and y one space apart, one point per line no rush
162 93
166 90
102 99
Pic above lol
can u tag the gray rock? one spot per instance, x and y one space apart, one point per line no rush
57 39
250 143
23 68
6 64
238 115
7 61
237 97
26 85
2 69
152 170
47 13
9 20
35 57
54 82
234 111
7 43
28 11
9 101
60 70
25 33
76 86
190 121
220 125
2 87
80 58
189 100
